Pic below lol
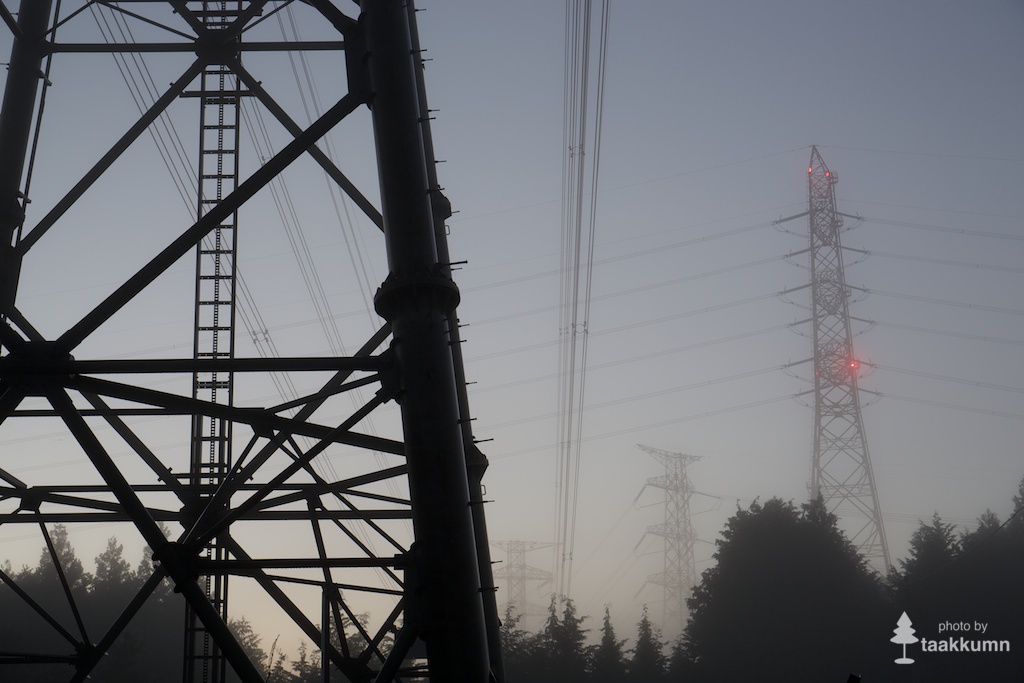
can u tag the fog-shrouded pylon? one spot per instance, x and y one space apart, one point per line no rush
840 466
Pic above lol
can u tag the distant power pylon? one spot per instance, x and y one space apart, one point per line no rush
517 573
841 468
679 574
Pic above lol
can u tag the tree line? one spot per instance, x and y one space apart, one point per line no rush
788 598
151 648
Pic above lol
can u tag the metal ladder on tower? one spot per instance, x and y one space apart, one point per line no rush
219 95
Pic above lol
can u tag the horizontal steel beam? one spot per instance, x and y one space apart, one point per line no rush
248 565
108 48
175 515
30 364
257 418
335 487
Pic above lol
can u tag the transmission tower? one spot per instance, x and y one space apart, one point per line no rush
403 521
517 573
841 468
679 574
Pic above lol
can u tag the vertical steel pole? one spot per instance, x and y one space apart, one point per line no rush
19 106
418 299
476 461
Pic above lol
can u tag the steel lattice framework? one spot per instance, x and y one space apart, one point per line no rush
252 466
679 574
841 467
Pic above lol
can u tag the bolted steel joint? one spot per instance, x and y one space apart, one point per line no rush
37 365
178 562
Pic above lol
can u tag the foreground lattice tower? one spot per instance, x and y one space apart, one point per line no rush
679 574
348 529
841 468
517 573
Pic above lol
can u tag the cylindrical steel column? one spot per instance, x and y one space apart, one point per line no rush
476 461
417 299
23 77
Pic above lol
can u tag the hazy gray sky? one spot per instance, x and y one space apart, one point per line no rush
710 112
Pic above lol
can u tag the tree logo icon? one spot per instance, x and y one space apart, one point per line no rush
904 636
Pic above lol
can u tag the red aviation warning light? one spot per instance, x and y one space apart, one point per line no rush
810 170
854 365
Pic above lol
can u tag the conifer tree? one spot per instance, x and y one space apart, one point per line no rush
571 641
112 570
516 647
559 654
932 546
789 589
681 666
75 574
607 661
648 663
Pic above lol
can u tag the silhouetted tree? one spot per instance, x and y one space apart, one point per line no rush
148 649
1017 514
607 660
681 667
972 578
517 648
932 547
789 598
71 567
648 663
112 570
307 666
570 643
988 525
558 652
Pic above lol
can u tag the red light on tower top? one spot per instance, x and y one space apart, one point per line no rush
854 365
810 170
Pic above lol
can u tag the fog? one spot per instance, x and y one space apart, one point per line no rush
696 336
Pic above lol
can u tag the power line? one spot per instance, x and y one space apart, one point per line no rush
632 326
942 262
951 406
642 357
944 155
953 231
653 425
945 333
942 302
944 378
629 255
577 261
644 396
640 288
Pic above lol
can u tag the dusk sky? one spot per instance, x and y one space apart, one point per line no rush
710 113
